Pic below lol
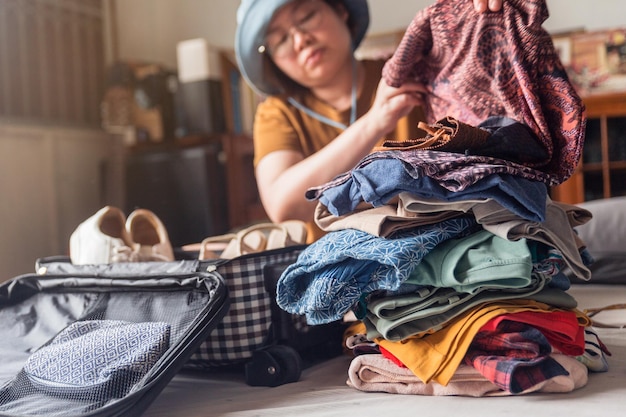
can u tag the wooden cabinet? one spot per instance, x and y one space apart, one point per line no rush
200 186
602 170
183 183
240 103
244 203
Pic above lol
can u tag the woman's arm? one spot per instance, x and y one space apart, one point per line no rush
284 176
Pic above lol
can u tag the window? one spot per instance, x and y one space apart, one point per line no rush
51 61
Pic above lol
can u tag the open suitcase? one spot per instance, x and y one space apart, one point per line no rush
221 315
101 340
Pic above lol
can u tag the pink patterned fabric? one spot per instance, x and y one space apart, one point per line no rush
478 65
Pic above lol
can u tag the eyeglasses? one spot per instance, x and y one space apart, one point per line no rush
306 17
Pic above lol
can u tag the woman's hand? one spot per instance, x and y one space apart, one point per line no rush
391 104
483 5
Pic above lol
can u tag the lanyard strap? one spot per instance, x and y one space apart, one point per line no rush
325 119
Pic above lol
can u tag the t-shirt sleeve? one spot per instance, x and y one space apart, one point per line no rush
273 129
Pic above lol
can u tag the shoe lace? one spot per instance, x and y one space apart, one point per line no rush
437 134
127 254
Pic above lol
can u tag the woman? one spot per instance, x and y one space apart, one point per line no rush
325 110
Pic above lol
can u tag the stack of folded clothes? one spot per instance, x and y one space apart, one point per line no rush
441 282
448 248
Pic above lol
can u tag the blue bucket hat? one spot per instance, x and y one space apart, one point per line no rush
253 17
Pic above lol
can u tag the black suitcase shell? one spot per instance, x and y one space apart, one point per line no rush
34 308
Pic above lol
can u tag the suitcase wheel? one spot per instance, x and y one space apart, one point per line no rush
272 366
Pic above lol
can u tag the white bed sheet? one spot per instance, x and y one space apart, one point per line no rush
322 389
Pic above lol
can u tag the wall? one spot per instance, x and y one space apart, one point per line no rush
164 23
150 29
51 179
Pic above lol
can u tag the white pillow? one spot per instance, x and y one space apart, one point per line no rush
605 237
606 231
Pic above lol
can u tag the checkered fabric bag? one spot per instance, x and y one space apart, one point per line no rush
246 327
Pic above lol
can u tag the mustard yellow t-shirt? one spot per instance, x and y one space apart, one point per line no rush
278 125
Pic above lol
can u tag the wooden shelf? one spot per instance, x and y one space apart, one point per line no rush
602 170
605 105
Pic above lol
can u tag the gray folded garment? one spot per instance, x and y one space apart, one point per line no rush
100 358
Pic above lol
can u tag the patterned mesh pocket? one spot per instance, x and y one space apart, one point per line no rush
106 357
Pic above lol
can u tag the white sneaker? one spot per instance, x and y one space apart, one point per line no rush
102 238
149 236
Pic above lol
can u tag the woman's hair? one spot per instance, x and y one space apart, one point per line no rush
278 77
336 4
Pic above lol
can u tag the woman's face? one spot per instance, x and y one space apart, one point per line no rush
309 41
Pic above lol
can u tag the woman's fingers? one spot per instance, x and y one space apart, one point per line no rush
484 5
413 87
480 5
408 87
495 5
